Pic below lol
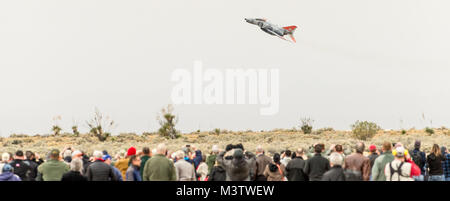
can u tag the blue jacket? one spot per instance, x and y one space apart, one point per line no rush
9 176
133 174
117 173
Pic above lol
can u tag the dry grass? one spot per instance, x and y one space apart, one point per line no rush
272 141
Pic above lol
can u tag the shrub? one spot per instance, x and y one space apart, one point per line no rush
56 130
167 121
75 131
364 130
217 131
429 130
306 125
403 131
100 126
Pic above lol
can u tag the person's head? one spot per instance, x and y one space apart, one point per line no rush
7 168
76 165
146 151
67 153
417 144
5 157
336 159
180 155
97 155
436 150
77 154
288 153
259 150
360 147
54 154
29 155
135 160
387 146
107 159
338 148
399 153
398 144
131 151
443 150
19 155
318 148
373 148
299 152
215 149
276 158
161 149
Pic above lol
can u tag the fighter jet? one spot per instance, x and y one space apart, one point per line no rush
273 29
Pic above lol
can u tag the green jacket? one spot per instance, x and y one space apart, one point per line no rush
159 168
144 159
379 165
210 161
52 170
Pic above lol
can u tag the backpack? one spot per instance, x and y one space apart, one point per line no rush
417 158
398 171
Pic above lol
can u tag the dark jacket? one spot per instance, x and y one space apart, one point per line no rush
210 161
73 176
217 174
144 159
295 170
237 169
423 159
435 164
198 158
21 169
33 166
86 164
100 171
336 173
133 174
372 158
261 162
316 166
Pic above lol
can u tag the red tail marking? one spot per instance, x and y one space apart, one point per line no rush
290 28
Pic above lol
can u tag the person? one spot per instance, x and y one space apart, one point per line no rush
146 154
53 169
336 173
184 170
100 171
107 160
418 157
317 165
31 162
381 161
295 168
357 166
434 164
275 170
239 165
373 154
202 170
76 168
8 174
159 167
261 162
211 160
446 163
20 167
5 160
398 169
217 173
123 163
286 157
133 172
197 158
67 155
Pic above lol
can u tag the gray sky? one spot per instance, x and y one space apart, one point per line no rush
383 61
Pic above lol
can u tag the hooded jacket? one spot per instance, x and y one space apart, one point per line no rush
9 176
435 164
217 174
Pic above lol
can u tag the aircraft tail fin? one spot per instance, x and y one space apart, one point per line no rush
291 30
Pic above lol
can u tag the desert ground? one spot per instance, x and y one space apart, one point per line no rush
272 141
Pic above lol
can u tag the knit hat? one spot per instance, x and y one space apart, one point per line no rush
131 151
372 148
7 168
399 152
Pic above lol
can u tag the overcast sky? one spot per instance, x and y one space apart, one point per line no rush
383 61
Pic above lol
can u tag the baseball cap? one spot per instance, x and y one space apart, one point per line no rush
372 147
54 153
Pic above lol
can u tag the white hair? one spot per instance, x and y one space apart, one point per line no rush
161 148
215 148
5 157
336 159
97 154
259 149
76 153
180 154
76 165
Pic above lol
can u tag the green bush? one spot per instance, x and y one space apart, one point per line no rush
429 130
167 121
306 125
364 130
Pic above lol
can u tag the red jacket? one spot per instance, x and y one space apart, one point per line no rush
415 170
